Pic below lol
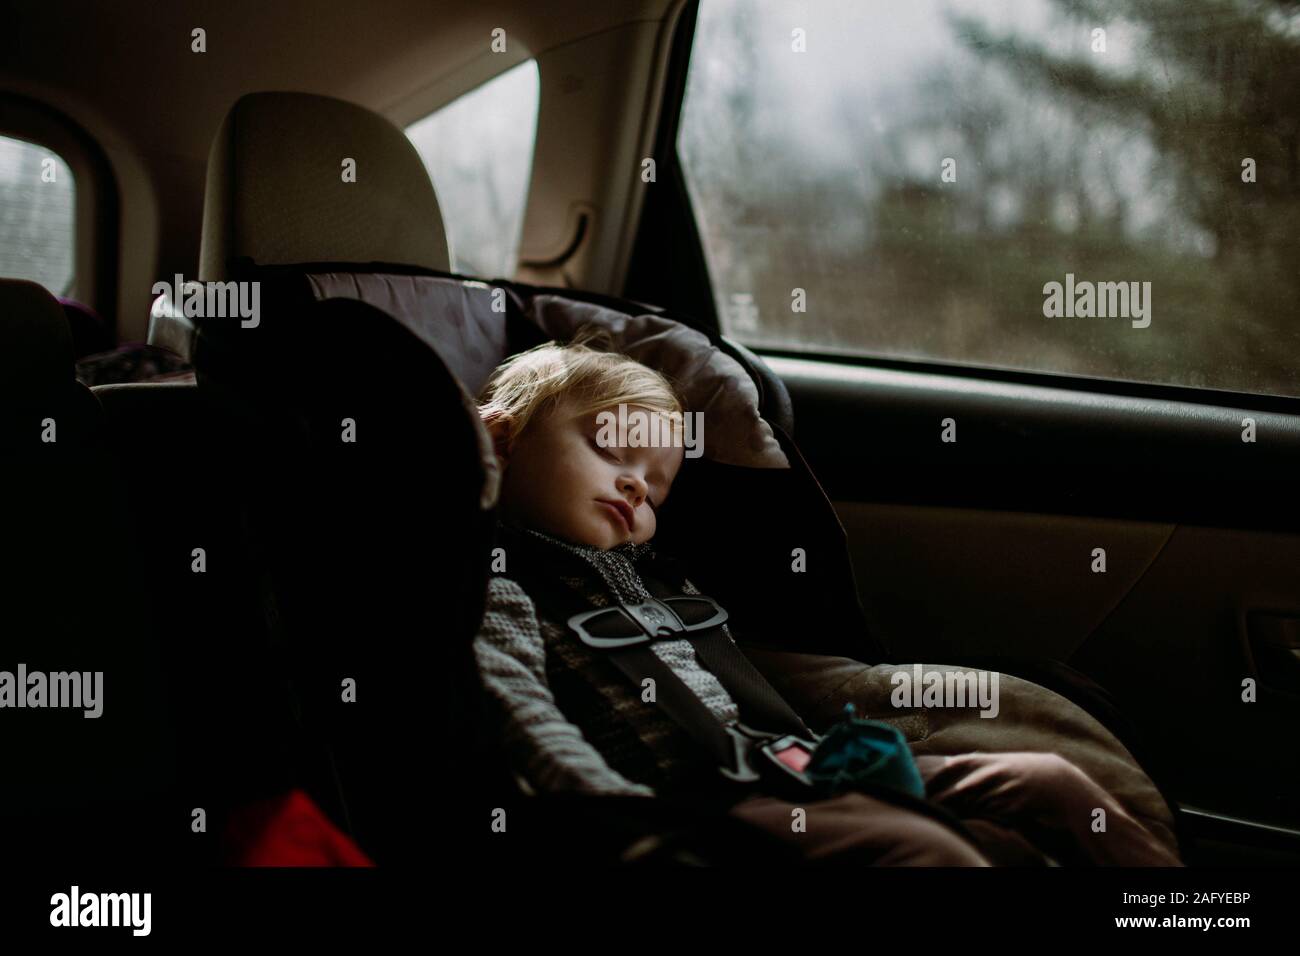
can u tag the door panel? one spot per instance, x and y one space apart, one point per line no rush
940 584
985 546
1176 652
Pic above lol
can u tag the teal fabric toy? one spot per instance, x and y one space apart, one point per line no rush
863 751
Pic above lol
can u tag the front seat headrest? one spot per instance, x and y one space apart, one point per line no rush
280 191
35 341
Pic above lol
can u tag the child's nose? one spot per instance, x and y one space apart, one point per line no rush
633 486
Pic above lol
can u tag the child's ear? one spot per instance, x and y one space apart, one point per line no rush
501 429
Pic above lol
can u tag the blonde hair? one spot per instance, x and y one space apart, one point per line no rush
534 382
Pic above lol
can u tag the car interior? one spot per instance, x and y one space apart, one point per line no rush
835 224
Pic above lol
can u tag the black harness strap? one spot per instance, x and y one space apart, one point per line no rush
761 706
678 701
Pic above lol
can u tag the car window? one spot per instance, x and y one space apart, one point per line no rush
1103 190
37 216
479 153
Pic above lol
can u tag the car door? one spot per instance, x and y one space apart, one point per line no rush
1030 297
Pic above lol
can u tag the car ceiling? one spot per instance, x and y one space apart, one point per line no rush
125 69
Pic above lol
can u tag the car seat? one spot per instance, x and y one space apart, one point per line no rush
67 605
98 570
322 284
372 510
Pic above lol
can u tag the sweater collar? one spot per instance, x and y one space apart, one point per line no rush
616 565
628 549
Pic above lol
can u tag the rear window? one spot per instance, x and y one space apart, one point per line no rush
479 153
37 216
1107 190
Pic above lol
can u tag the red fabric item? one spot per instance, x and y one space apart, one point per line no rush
288 830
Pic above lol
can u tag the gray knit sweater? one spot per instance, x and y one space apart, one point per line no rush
570 720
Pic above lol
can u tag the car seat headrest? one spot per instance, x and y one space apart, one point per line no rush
89 333
462 321
710 381
280 188
35 341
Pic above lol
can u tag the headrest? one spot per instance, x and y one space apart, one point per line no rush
462 320
280 190
35 342
89 333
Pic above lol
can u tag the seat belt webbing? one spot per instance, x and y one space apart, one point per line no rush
760 705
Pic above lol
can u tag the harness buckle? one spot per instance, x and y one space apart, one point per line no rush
630 625
782 757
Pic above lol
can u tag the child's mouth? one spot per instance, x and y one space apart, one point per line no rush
623 513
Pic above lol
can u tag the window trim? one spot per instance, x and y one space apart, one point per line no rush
682 283
95 224
1251 401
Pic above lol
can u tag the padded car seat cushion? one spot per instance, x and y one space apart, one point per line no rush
1029 717
713 383
462 320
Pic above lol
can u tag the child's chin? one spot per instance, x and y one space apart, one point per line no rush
593 538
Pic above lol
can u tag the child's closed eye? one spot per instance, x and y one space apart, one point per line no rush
605 451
